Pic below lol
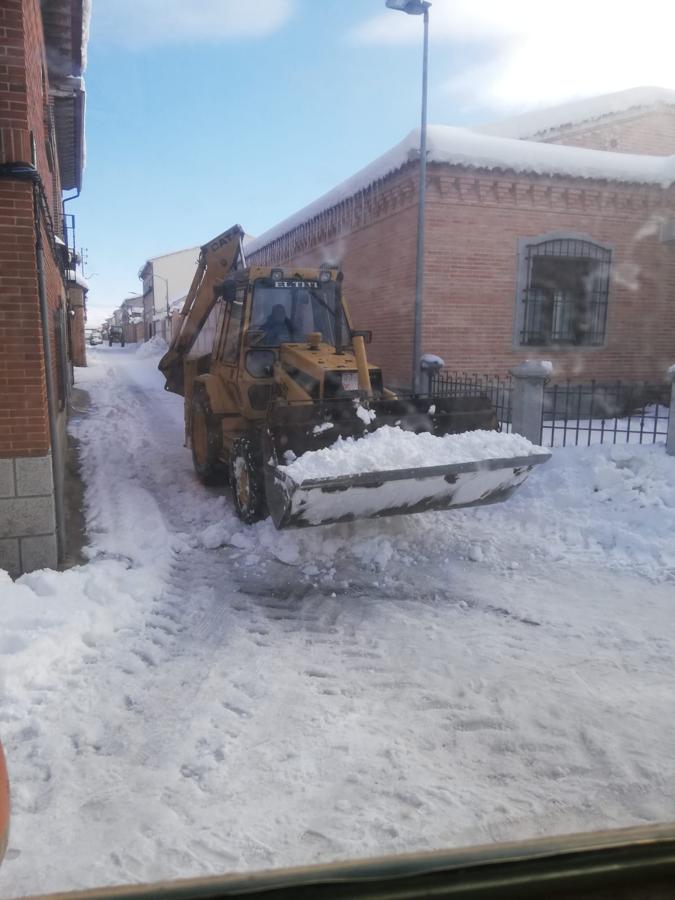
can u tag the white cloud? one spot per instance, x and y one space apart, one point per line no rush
540 53
149 22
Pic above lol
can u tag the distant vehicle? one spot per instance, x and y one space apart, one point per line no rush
95 337
116 335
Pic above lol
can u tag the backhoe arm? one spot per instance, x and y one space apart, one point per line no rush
217 259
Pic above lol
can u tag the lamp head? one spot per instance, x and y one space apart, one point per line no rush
412 7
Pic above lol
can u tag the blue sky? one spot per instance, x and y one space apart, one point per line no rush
200 115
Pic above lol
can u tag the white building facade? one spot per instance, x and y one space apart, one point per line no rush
165 279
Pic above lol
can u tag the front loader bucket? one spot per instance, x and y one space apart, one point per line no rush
394 492
319 501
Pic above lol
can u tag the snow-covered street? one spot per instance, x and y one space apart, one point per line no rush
204 697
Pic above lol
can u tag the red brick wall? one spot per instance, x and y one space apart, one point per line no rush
23 421
77 341
651 133
14 142
471 265
378 261
473 227
23 408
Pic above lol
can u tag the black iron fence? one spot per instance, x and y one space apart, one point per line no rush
596 412
462 384
605 413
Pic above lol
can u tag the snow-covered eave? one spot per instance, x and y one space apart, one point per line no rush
542 123
75 277
153 259
465 148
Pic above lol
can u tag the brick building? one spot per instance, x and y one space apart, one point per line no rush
42 48
132 319
547 235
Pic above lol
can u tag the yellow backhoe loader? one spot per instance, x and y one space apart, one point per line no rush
270 367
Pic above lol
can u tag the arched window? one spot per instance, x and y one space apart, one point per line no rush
562 292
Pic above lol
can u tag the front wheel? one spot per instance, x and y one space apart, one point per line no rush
246 480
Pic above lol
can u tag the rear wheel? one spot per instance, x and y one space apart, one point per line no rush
206 440
246 480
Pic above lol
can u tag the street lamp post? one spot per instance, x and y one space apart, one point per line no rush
419 8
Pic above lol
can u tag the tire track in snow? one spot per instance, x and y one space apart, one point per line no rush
260 713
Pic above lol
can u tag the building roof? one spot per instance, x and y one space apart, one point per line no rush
542 122
66 32
153 259
464 147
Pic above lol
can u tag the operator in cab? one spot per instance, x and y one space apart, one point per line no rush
277 328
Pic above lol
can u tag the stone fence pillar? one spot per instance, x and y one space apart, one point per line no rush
670 439
527 397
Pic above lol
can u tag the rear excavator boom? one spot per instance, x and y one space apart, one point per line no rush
271 368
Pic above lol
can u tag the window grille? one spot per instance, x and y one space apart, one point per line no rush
564 300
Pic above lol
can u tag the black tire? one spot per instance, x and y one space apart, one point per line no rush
246 480
206 441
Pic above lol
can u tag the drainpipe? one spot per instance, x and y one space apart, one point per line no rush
57 467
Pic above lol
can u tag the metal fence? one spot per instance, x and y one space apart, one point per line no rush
575 414
462 384
605 413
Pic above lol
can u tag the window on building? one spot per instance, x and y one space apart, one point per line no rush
563 292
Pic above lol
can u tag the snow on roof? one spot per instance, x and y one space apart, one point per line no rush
152 259
72 275
464 147
552 118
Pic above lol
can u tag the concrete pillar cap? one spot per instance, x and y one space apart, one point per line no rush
533 368
671 374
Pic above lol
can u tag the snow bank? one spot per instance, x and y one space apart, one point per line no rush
156 346
610 506
392 448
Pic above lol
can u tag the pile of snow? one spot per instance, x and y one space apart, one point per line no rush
431 361
612 506
389 448
156 346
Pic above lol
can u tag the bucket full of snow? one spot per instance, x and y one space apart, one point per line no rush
390 470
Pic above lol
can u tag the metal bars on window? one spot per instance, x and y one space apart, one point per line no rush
564 299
